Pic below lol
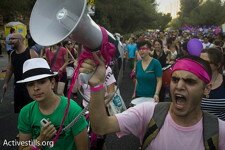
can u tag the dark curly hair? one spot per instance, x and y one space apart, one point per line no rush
142 43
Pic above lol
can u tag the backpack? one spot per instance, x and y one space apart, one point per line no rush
210 127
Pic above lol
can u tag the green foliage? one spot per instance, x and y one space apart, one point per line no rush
223 14
11 9
210 13
163 19
175 23
123 16
128 16
199 12
187 6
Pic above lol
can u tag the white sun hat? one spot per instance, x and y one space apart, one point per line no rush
35 69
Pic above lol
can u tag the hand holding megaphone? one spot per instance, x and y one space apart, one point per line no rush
106 53
93 70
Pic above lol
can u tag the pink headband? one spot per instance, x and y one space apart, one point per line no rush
193 67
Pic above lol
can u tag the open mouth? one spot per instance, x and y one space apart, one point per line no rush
180 101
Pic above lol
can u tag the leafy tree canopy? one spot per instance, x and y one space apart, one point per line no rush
199 12
123 16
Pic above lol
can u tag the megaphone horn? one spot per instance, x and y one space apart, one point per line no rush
54 20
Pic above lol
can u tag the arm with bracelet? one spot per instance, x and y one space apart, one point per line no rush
101 123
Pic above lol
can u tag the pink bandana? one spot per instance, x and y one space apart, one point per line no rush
193 67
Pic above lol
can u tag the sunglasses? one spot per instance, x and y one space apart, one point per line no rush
143 48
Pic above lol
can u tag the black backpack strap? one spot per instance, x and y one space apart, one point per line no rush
210 131
210 127
156 123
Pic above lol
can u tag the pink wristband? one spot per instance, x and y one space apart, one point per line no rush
97 88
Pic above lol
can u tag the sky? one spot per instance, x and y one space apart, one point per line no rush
169 6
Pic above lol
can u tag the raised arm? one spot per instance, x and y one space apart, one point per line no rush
101 123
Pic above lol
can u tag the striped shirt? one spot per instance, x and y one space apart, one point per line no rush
214 106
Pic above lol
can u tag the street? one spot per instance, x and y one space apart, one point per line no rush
8 119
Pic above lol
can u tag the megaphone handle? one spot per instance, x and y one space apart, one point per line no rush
85 77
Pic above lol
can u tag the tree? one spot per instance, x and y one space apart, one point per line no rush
123 16
128 16
163 19
11 9
223 12
187 6
208 13
199 12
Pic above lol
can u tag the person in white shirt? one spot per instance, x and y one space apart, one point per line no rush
109 85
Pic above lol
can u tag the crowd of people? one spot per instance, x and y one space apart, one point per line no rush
195 105
168 46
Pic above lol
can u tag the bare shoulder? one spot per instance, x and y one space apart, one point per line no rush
33 54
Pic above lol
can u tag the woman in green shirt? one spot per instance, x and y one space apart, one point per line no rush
148 73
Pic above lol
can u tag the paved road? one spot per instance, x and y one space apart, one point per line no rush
8 120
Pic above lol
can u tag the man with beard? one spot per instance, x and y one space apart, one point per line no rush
15 66
182 124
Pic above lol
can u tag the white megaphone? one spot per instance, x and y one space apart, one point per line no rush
54 20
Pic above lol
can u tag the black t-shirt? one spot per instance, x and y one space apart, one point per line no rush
218 93
161 59
17 61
